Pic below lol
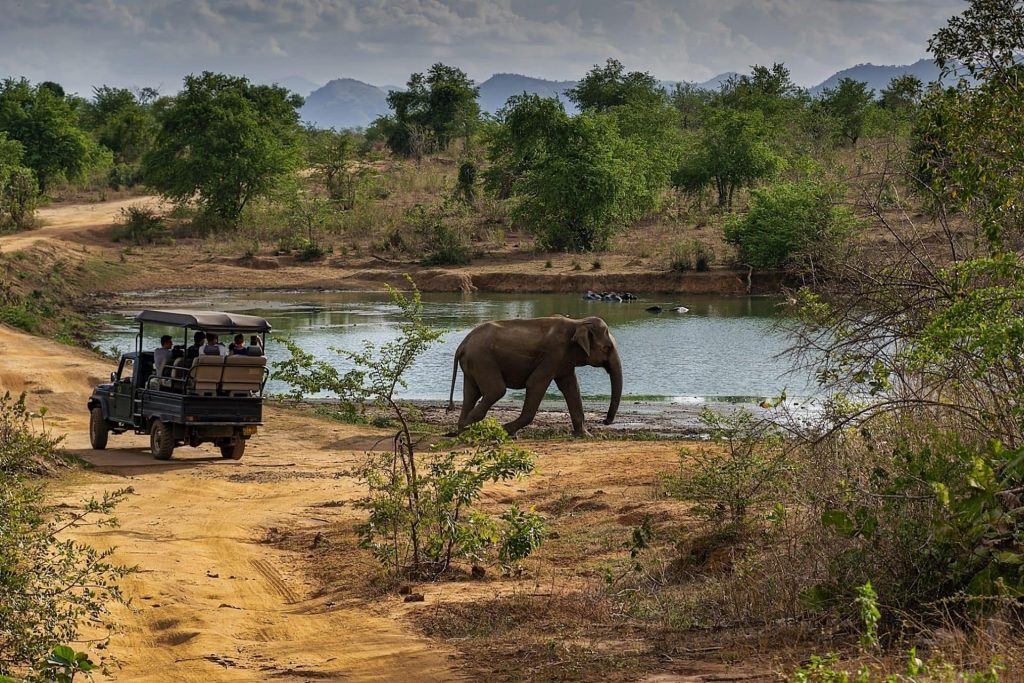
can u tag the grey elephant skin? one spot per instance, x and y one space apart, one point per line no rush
529 354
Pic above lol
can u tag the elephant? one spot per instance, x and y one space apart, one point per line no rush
528 354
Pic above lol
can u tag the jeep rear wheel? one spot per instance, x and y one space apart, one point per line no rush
160 441
99 430
232 449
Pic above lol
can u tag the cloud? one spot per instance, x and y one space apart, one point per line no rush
146 42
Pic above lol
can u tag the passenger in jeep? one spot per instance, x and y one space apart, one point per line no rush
163 354
196 350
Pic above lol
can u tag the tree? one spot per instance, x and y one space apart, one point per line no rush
769 90
609 86
519 139
848 103
587 181
441 103
732 152
224 141
18 189
789 224
902 95
691 102
122 121
47 126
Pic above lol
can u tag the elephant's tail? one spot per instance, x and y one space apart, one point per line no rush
455 372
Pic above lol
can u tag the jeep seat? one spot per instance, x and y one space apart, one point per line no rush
243 375
206 375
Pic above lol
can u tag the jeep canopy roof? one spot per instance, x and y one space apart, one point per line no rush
212 321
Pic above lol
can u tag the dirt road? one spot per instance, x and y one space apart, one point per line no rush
211 602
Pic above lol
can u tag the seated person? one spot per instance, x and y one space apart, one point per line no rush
238 347
196 350
213 343
163 354
255 347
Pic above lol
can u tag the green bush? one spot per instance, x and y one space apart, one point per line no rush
440 243
50 588
789 225
140 225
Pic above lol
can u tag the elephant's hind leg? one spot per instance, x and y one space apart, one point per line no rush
534 395
491 385
470 395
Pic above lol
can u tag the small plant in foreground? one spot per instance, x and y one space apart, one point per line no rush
744 468
420 515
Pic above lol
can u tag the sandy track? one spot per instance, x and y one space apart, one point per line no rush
210 602
81 223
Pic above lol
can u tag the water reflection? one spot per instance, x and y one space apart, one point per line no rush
724 347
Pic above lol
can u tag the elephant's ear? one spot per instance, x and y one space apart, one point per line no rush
582 337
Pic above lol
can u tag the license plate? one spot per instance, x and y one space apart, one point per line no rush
248 431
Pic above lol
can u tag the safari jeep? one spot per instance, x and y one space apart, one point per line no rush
212 399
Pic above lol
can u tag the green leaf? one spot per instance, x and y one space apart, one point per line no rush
838 520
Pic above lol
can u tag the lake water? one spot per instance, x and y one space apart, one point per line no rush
725 350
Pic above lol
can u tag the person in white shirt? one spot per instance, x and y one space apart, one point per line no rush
163 354
212 339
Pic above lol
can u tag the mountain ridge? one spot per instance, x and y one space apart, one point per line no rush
350 103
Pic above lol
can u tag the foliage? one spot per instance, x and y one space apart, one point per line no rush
140 224
607 87
434 511
585 182
439 242
902 95
969 154
465 186
420 509
432 111
745 469
122 121
223 141
848 104
46 124
19 193
789 224
769 90
49 588
732 152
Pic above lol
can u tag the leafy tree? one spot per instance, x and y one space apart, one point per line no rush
122 121
609 86
902 95
525 124
18 190
968 139
789 224
732 152
224 141
691 102
587 181
47 126
769 90
432 111
848 103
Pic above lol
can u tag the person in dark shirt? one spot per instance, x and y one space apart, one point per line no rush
196 349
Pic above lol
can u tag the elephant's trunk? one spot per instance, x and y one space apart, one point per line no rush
614 368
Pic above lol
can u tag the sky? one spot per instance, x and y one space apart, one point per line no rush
156 42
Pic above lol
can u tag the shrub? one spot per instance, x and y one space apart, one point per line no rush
49 588
440 243
123 175
746 468
789 224
140 225
19 198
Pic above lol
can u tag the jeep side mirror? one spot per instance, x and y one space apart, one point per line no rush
113 377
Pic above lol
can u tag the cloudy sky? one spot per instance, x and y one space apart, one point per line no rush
81 43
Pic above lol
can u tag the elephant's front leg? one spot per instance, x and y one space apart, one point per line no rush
570 388
534 395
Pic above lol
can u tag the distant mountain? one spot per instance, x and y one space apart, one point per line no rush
878 77
344 103
495 91
299 85
348 103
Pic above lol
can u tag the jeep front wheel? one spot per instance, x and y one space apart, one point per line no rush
99 430
160 441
